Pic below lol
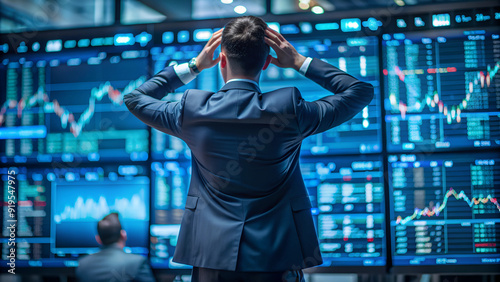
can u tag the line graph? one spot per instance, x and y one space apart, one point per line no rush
452 112
67 118
435 211
88 208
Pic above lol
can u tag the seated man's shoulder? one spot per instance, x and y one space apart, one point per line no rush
135 258
115 257
127 258
112 265
86 259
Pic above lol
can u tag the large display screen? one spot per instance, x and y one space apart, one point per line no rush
58 209
347 194
69 107
442 90
445 209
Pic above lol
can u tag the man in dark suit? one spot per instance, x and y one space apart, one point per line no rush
112 264
247 215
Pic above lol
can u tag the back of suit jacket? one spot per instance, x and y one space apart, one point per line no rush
247 208
112 264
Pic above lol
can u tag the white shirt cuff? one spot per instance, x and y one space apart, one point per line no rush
305 66
184 72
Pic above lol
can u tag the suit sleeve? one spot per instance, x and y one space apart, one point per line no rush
351 96
144 102
144 273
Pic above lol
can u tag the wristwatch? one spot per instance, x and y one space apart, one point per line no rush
192 65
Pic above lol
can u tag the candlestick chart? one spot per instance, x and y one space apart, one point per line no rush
441 92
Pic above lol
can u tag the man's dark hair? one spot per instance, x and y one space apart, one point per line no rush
244 45
109 229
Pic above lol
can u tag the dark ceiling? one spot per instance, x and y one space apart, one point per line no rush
18 15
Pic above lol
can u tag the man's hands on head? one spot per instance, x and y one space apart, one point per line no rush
205 59
287 55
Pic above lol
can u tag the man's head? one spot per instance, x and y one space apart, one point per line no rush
243 50
110 230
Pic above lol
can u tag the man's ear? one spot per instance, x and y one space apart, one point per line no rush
98 239
223 60
268 61
123 234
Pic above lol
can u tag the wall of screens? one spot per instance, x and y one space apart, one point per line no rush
441 95
411 180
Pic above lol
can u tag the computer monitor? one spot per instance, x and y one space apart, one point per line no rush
67 106
58 207
441 90
347 194
444 209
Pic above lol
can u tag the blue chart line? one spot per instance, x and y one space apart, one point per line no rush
95 208
40 98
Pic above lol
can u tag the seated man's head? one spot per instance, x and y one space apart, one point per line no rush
244 53
110 231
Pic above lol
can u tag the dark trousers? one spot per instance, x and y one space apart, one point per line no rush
212 275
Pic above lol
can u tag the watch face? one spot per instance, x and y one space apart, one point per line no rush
192 62
192 65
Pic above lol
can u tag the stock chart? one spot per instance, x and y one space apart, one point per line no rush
70 108
442 90
445 209
59 207
78 206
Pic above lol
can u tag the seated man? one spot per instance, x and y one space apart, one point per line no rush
112 263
